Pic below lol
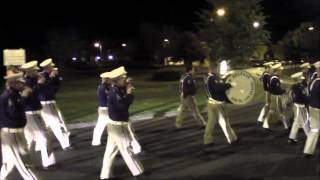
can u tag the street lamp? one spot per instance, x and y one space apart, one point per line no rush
221 12
98 45
311 28
256 24
124 45
166 40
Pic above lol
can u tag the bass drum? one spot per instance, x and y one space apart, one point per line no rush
243 87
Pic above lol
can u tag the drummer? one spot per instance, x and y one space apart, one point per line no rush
300 100
265 78
216 92
276 92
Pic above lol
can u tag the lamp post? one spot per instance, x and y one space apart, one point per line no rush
221 12
311 28
98 45
256 24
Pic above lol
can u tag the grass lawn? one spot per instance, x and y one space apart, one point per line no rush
78 101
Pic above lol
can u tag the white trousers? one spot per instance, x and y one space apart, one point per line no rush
217 114
35 132
14 154
100 126
277 110
265 108
119 139
313 136
300 119
53 119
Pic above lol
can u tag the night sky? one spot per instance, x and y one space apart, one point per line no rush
26 24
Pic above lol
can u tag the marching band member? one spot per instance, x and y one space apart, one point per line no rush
103 116
12 123
314 110
265 78
188 100
300 101
216 92
120 97
48 86
35 130
307 70
276 92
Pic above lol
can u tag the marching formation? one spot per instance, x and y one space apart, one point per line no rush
304 103
29 112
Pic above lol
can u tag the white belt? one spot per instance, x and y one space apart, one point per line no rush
33 112
213 101
299 105
12 130
315 130
117 122
103 108
47 102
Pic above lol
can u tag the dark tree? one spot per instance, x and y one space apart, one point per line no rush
238 33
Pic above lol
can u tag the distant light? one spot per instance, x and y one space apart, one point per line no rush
98 58
223 67
74 58
221 12
97 45
256 24
311 28
124 45
110 57
166 40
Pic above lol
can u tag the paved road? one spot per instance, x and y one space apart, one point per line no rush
173 154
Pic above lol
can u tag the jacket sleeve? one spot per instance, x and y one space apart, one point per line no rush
118 102
275 87
188 87
9 109
55 83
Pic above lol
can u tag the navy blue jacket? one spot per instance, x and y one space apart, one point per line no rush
215 89
308 75
187 85
11 110
265 78
118 104
314 93
299 93
102 93
47 91
32 102
275 86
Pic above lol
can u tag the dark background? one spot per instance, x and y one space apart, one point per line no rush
25 24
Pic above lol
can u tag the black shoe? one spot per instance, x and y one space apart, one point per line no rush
307 156
236 142
51 167
70 148
144 174
142 153
209 145
292 141
267 130
259 124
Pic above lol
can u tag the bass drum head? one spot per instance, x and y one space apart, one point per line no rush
243 87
